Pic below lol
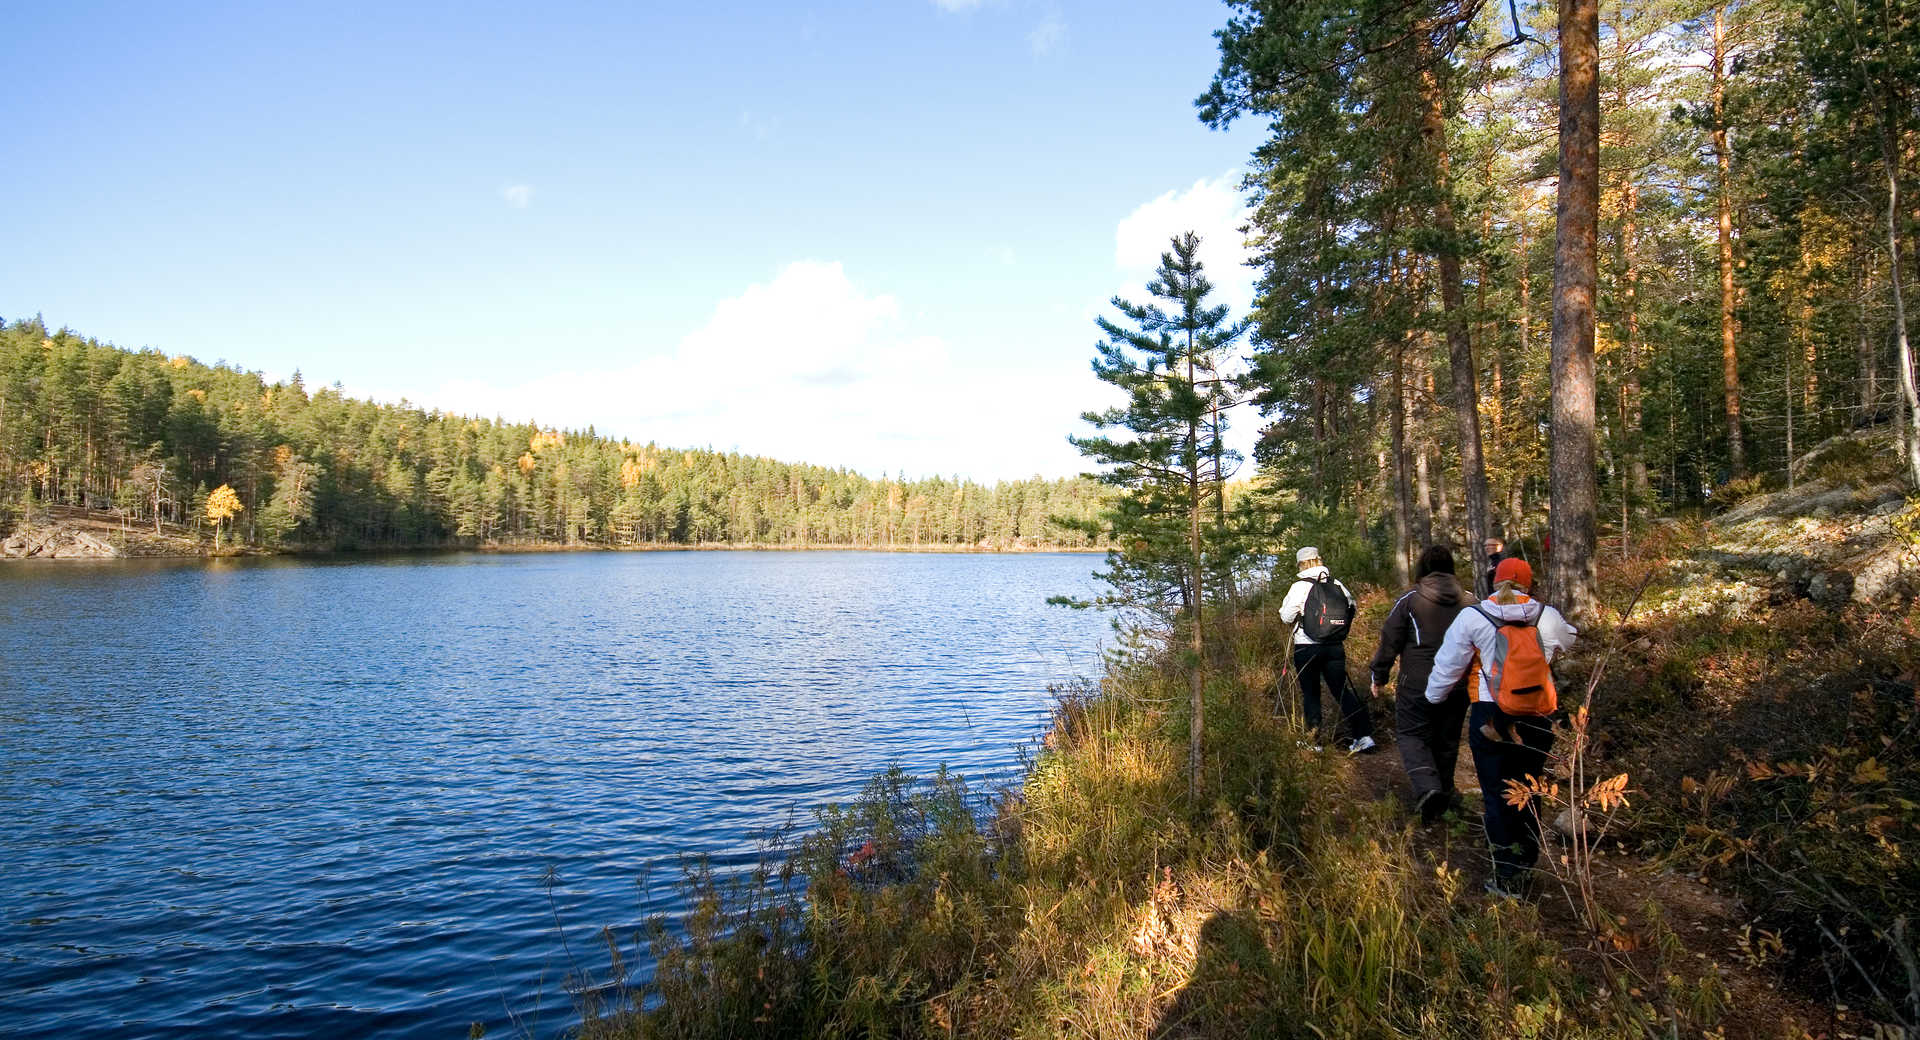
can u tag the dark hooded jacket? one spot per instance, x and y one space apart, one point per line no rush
1413 631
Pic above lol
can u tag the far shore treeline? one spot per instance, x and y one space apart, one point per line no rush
86 424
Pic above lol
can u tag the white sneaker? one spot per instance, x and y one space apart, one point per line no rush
1309 746
1361 746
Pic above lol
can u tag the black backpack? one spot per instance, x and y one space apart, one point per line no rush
1328 616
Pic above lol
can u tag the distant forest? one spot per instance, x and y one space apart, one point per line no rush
90 425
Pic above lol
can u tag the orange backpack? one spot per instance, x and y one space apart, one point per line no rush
1519 677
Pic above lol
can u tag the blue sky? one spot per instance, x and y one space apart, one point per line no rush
865 235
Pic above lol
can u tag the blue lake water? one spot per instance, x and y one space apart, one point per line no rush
297 798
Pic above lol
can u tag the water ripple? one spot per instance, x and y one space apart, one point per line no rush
280 798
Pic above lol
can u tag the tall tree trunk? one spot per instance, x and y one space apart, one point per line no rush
1902 352
1402 488
1723 158
1466 391
1422 498
1786 379
1319 441
1517 483
1197 606
1640 490
1809 350
1867 357
1570 565
1483 332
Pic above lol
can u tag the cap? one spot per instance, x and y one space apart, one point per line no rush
1514 570
1306 553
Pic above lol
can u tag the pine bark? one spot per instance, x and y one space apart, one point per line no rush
1640 488
1466 392
1570 566
1723 159
1402 488
1196 594
1866 356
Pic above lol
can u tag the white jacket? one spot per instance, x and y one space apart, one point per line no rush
1471 632
1296 602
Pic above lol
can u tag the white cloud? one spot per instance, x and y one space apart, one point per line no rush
1212 209
519 196
1047 36
812 367
956 5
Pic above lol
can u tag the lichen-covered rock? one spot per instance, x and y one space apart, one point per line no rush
1831 589
56 543
1843 534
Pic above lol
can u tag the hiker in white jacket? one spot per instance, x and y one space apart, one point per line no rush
1324 660
1505 747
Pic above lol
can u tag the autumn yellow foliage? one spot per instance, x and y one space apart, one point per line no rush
222 506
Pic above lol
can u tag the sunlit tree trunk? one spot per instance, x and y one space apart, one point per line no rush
1640 489
1196 502
1902 352
1571 572
1723 159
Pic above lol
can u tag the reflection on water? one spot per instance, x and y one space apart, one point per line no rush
264 798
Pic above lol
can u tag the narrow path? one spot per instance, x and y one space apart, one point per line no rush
1705 923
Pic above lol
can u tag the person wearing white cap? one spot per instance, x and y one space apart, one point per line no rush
1321 610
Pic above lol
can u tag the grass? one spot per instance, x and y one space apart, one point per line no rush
1770 744
1099 901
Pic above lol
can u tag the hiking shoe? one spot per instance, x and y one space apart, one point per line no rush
1307 745
1502 888
1431 806
1362 746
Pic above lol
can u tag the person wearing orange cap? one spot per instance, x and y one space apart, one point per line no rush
1506 747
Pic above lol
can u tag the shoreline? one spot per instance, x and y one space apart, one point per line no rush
146 546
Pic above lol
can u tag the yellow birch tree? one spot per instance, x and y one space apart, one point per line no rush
222 506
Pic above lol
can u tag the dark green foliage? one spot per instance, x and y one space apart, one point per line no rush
1167 459
86 424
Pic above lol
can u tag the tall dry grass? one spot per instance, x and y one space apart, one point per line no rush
1100 901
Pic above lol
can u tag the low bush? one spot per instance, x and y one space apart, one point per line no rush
1776 750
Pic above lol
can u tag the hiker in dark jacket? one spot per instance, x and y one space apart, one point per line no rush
1496 551
1428 733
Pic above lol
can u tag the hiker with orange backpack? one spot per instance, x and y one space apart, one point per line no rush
1321 610
1508 643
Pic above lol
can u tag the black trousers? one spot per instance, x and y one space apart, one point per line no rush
1512 832
1316 663
1429 738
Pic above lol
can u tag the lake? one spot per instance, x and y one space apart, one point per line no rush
297 798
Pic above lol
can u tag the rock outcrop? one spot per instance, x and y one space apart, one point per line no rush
56 543
1844 534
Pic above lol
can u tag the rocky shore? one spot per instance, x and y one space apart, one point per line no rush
56 542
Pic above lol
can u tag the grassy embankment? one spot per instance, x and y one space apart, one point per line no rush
1762 883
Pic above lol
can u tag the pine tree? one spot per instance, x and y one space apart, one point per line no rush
1170 461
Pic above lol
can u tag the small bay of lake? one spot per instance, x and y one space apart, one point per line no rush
301 798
